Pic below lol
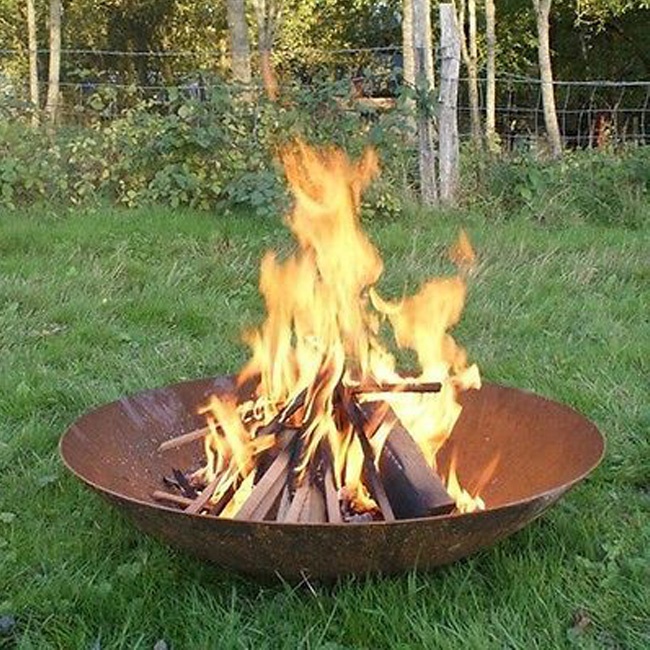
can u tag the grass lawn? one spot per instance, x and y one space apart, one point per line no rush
100 302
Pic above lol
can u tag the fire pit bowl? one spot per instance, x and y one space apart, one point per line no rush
544 448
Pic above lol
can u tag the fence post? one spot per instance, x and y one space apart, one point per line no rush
424 86
447 103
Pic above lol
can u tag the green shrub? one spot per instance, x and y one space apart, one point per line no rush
221 154
594 186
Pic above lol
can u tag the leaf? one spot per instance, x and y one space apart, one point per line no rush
7 517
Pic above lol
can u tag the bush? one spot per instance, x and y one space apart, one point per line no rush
595 186
220 153
213 154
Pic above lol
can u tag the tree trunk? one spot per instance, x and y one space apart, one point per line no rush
266 12
448 148
472 73
469 51
33 61
424 87
52 102
542 11
240 54
491 86
408 55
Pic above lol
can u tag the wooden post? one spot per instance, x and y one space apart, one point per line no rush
490 87
53 87
448 150
33 61
424 87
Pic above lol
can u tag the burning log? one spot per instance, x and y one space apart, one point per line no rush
332 503
308 505
273 427
268 488
412 487
359 422
201 502
406 387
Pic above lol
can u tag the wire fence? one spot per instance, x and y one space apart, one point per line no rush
591 114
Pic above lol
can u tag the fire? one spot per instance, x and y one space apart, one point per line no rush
321 341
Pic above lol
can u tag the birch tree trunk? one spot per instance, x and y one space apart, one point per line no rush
33 61
240 54
424 87
491 86
448 148
469 51
266 12
408 52
52 102
542 12
472 73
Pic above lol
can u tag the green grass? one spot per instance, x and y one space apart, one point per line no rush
100 303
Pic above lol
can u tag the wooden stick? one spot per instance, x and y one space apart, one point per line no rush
159 495
284 505
300 497
201 501
274 426
267 490
184 439
331 496
358 420
277 423
314 510
407 387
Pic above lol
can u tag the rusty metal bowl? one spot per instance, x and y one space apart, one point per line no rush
544 449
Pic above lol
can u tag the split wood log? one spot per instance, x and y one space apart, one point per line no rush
359 422
307 506
413 488
332 503
267 490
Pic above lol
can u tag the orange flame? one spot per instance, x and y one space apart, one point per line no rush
322 330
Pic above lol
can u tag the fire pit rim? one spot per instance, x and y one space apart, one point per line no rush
539 496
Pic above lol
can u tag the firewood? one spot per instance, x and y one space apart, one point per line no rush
201 502
284 504
406 387
184 439
307 506
359 422
278 422
413 488
331 496
180 482
267 490
300 497
160 495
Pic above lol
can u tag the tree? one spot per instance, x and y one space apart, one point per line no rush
407 44
469 51
542 12
239 46
267 13
33 61
490 86
52 102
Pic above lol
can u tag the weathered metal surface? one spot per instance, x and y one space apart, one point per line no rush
544 448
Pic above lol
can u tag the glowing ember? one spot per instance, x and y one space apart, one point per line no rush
321 342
